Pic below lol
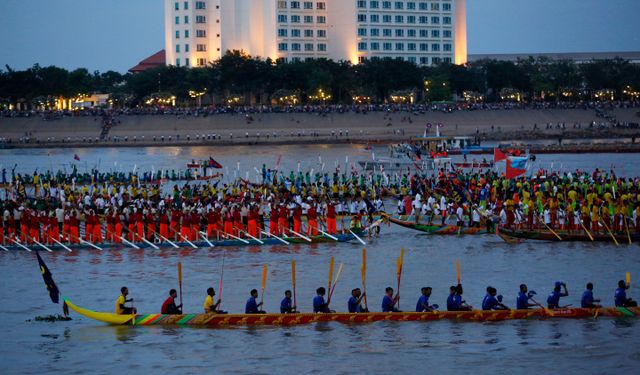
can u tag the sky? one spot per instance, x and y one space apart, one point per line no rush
116 34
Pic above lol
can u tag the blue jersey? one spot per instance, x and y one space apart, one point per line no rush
387 304
251 307
422 302
489 302
319 305
554 299
354 305
522 302
620 297
587 298
453 302
286 305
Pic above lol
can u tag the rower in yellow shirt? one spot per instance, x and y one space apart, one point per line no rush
209 306
121 309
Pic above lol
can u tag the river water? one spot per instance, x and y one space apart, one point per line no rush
92 279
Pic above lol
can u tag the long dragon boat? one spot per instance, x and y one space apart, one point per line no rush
266 241
436 229
222 320
518 235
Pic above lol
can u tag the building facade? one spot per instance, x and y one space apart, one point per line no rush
424 32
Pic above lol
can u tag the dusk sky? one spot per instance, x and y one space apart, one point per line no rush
116 34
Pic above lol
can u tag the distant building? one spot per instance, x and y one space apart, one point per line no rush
153 61
419 31
577 57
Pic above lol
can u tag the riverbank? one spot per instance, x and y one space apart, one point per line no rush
303 128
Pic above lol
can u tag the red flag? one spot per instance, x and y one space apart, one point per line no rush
498 155
214 164
76 157
513 172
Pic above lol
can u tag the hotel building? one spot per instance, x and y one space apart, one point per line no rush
424 32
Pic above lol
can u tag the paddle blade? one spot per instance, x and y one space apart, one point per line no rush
180 272
363 268
331 261
628 276
264 276
458 269
399 263
293 272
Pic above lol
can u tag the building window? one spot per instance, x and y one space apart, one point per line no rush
177 20
295 19
322 33
446 47
435 47
282 33
423 19
399 46
411 6
375 46
361 59
375 32
435 33
424 60
177 5
321 19
362 32
435 60
322 47
201 5
186 62
186 5
386 32
424 47
295 59
202 62
282 47
446 20
282 4
362 46
424 6
186 22
386 46
201 47
435 7
308 33
399 5
282 18
374 4
399 33
424 33
386 18
177 48
201 33
186 48
399 19
362 18
295 46
362 4
308 46
411 46
411 19
308 5
447 60
201 19
177 62
411 59
308 19
446 33
295 33
446 7
386 5
177 34
321 6
411 33
295 5
435 20
374 18
186 33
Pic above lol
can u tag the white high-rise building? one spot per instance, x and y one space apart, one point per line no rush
421 31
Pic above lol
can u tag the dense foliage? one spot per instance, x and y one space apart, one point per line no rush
240 79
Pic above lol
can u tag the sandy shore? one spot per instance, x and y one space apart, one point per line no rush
307 128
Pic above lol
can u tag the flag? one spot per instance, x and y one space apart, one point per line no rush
76 157
54 293
498 155
518 163
214 164
514 172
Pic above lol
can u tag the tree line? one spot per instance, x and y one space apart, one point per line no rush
241 79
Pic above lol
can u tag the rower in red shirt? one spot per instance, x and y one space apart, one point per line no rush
164 224
297 218
331 218
273 220
252 223
169 306
176 215
312 219
151 224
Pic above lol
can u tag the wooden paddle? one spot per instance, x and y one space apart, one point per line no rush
611 234
180 280
264 284
363 270
335 281
548 227
586 230
221 277
627 228
293 280
628 277
399 264
331 261
458 269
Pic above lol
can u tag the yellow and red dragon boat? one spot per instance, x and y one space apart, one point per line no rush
222 320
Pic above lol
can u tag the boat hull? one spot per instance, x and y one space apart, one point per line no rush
545 235
222 320
438 229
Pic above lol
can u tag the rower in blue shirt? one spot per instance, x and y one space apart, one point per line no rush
319 305
522 302
354 302
452 303
620 297
252 306
491 302
286 305
587 298
423 302
389 301
458 303
553 301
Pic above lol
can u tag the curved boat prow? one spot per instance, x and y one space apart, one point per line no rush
104 317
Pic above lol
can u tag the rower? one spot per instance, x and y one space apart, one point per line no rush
209 307
252 305
553 301
455 301
620 297
169 305
355 300
319 305
522 302
121 309
286 305
587 298
389 301
491 302
423 301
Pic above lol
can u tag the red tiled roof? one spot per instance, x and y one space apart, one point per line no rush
157 59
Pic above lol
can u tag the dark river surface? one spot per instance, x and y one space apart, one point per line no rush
92 279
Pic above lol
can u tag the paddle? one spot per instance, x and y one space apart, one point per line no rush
335 281
611 234
293 281
165 239
363 269
331 261
586 230
358 238
184 238
548 227
180 280
627 228
60 243
221 277
274 236
264 284
399 264
628 277
204 237
458 269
